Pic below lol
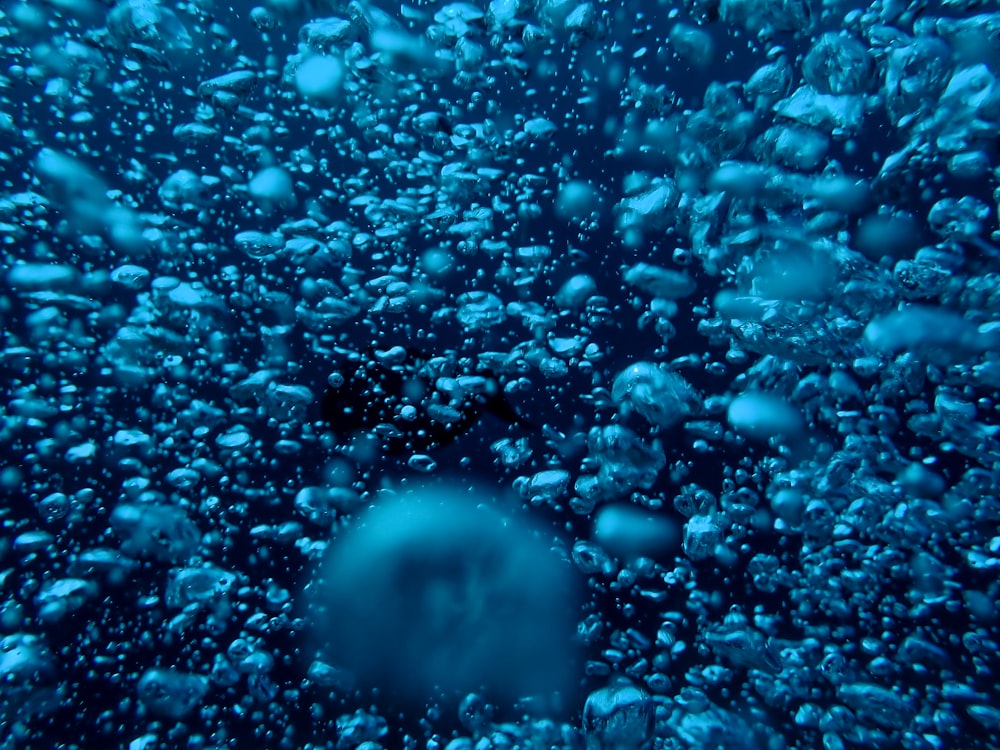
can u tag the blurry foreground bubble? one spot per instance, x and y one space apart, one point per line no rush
429 592
763 416
272 188
630 532
319 78
27 672
576 201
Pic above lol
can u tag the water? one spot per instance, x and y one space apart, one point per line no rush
708 291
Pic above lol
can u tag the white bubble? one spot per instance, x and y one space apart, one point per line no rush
319 78
762 416
272 188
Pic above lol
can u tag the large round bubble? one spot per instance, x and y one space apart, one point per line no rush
432 591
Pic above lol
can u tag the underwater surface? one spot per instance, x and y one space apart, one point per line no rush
500 374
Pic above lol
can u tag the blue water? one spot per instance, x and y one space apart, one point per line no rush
699 303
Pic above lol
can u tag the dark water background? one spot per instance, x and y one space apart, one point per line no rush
120 636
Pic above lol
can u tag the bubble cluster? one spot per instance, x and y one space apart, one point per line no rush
494 374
